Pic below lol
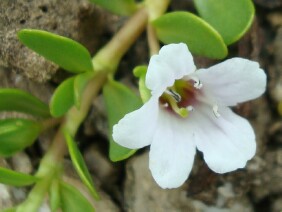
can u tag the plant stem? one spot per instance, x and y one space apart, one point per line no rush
110 56
156 9
153 42
51 123
105 62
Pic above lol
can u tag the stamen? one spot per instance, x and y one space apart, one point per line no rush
197 83
175 95
190 108
215 111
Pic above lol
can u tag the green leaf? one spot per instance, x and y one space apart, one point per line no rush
67 53
201 38
231 18
119 7
72 200
80 83
80 165
140 72
63 98
17 134
13 178
9 210
20 101
119 100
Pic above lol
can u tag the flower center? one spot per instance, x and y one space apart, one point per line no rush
181 97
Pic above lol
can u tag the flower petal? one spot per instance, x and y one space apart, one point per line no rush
173 62
233 81
172 151
227 142
135 130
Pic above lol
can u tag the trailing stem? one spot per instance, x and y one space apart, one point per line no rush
105 63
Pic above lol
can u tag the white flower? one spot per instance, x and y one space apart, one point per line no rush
188 110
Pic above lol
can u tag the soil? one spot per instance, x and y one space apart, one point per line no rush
128 185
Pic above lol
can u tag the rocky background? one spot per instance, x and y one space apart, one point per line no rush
128 186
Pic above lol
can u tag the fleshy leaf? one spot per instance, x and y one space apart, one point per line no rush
63 98
80 83
13 178
80 165
17 134
65 52
201 38
140 72
119 100
230 18
21 101
119 7
9 210
72 200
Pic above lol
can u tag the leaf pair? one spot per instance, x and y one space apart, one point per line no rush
15 133
68 54
69 93
223 23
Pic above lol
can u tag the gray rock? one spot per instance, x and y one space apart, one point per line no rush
73 19
5 191
6 198
277 205
143 194
267 180
276 77
98 164
96 122
6 194
21 163
9 79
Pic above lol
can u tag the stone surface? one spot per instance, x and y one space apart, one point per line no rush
76 19
267 180
277 205
97 163
9 79
269 3
143 194
21 163
276 76
96 122
6 197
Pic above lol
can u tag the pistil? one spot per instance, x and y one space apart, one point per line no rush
170 99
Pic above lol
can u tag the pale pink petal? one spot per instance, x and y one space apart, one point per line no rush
135 130
233 81
173 62
172 151
227 142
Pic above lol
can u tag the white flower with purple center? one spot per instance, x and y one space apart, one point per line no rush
188 109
